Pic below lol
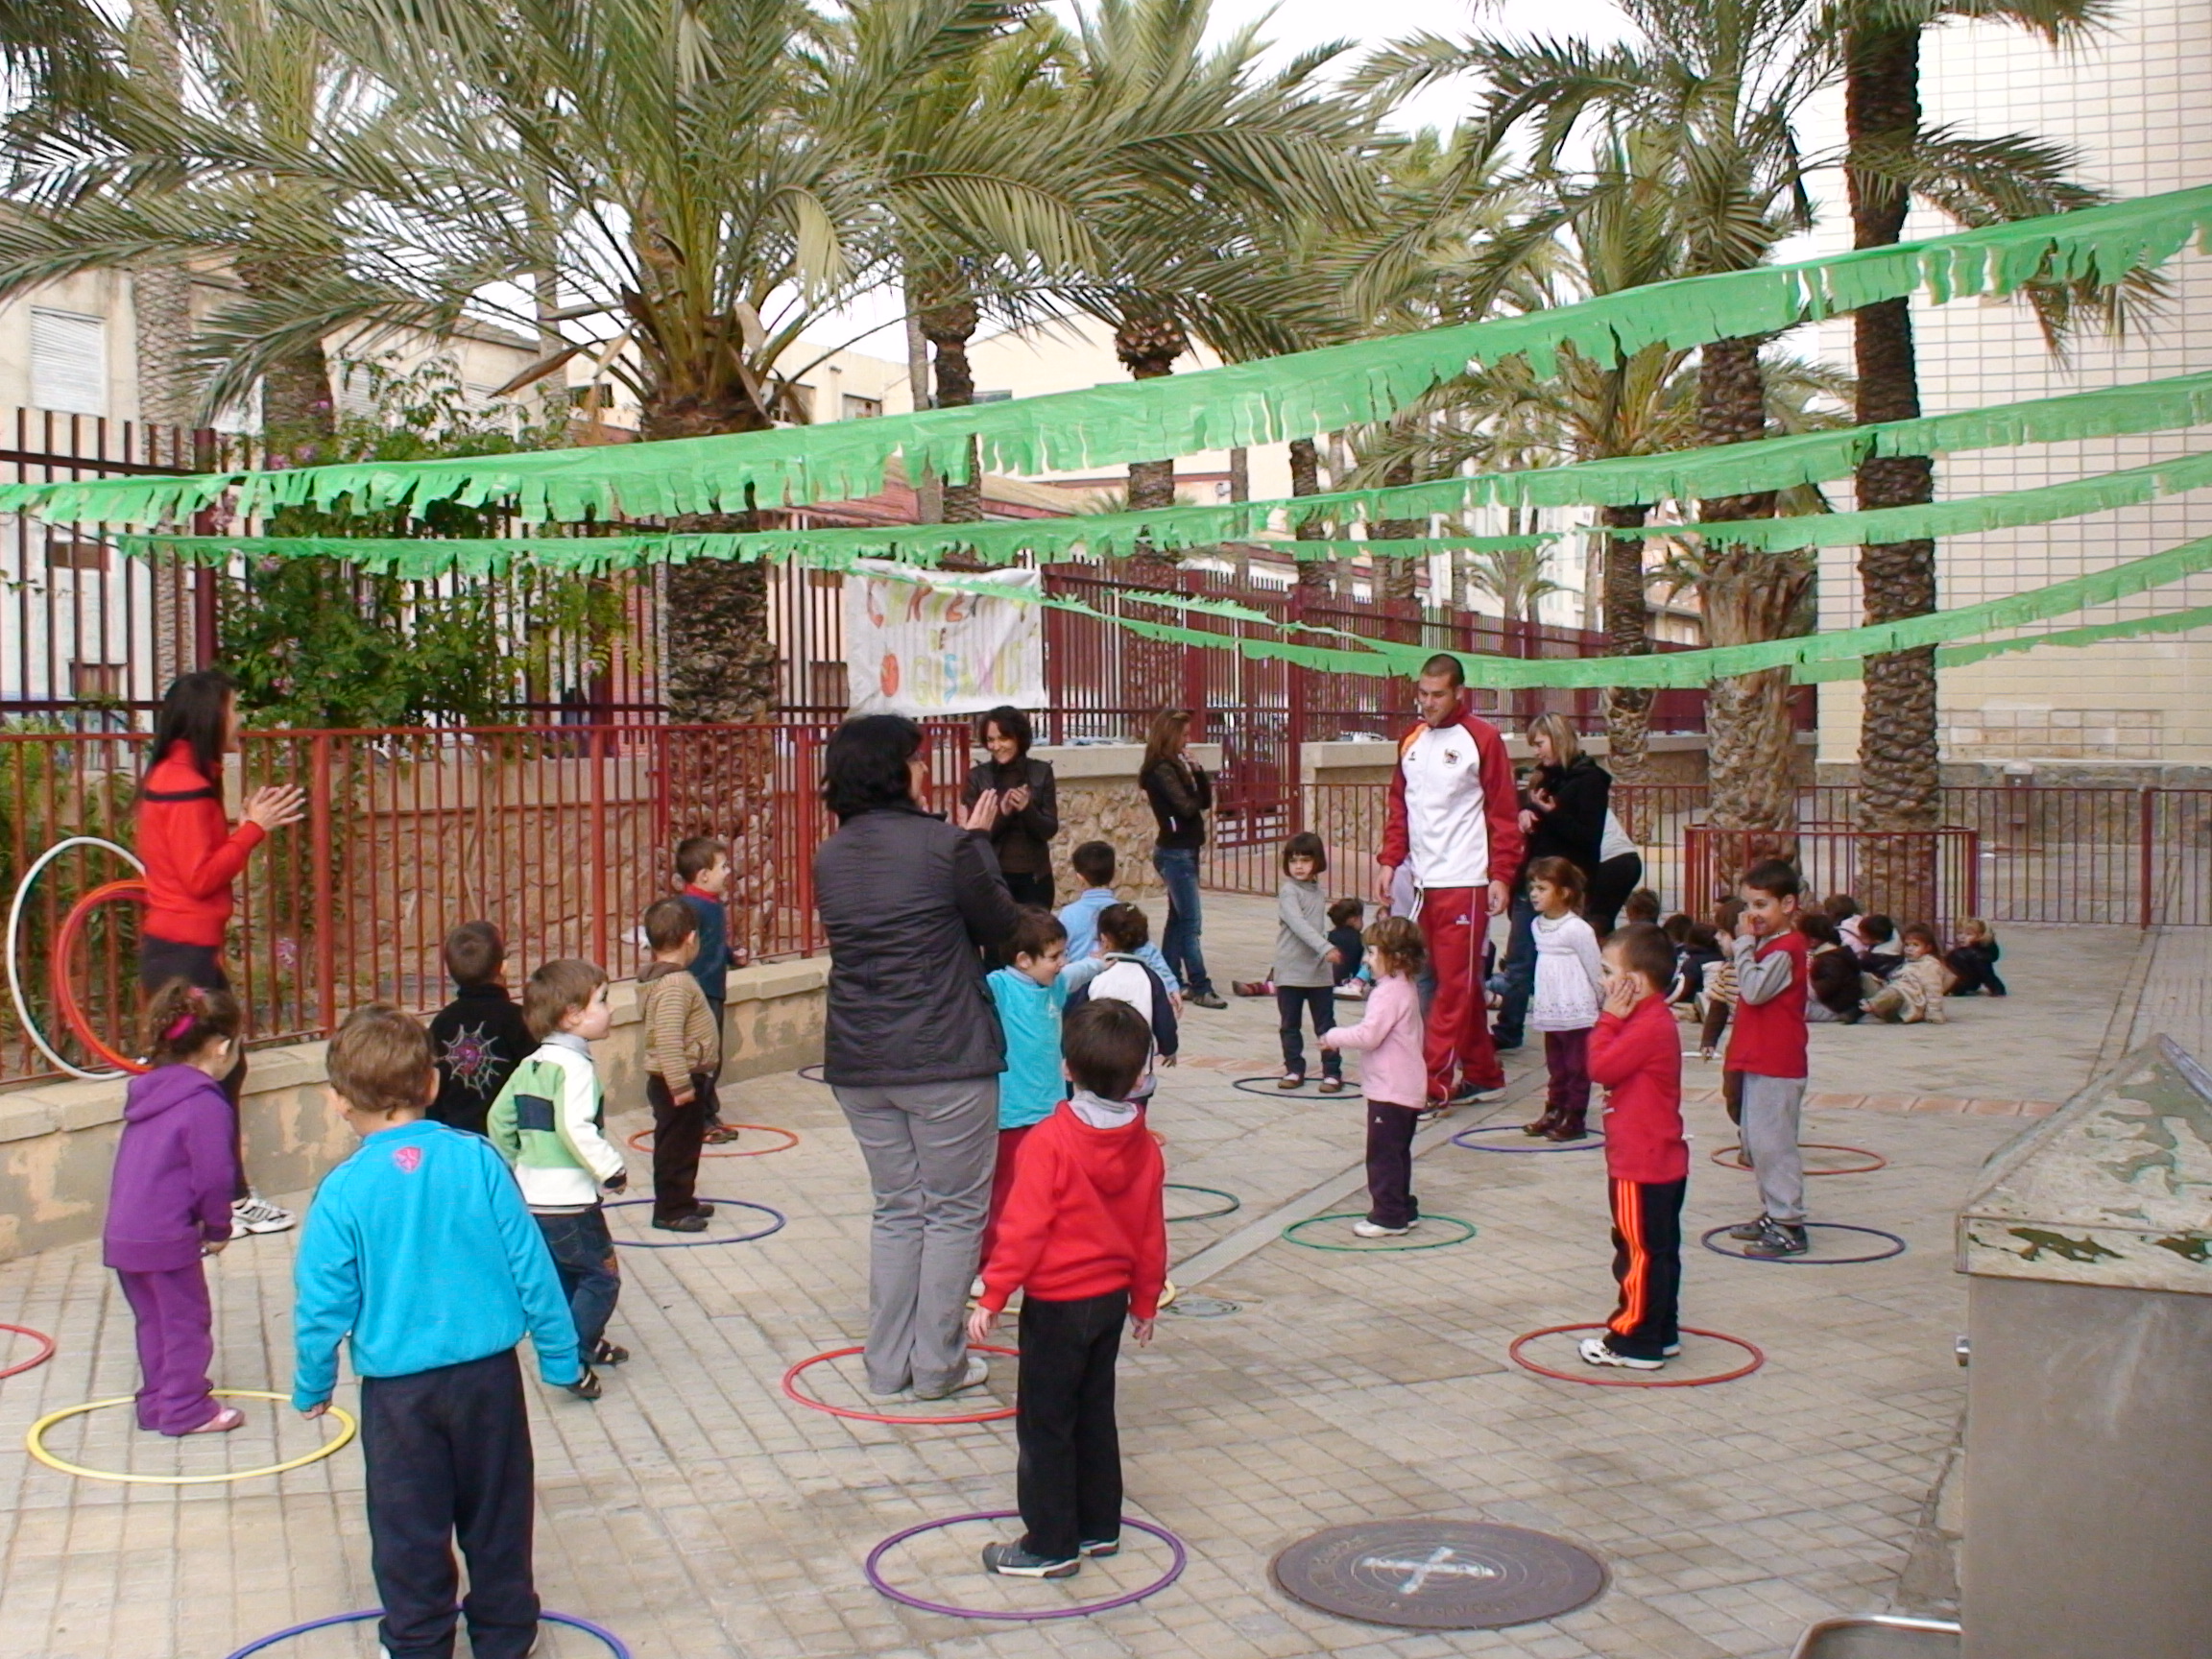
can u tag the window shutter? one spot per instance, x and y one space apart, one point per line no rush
68 362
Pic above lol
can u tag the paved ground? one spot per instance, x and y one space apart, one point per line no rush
700 1514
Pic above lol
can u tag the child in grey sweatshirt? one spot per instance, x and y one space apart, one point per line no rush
1305 963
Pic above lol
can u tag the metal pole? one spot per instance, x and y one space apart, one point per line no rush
597 752
318 844
2146 823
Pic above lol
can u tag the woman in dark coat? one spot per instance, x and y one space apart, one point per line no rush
913 1048
1028 805
1181 796
1572 818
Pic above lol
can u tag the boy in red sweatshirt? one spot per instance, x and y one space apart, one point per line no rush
1084 1234
1636 1053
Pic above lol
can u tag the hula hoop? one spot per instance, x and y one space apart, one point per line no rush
1291 1233
790 1139
35 1443
615 1642
775 1226
1588 1379
813 1074
45 1350
1591 1142
1813 1260
876 1579
996 1415
15 952
1234 1205
1720 1156
1303 1091
65 1002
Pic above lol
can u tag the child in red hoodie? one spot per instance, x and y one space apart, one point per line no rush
1084 1234
1637 1054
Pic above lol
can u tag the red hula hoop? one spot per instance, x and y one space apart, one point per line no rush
45 1353
1757 1353
791 1140
65 1002
792 1392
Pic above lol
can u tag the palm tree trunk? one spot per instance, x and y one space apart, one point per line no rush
1900 783
1401 578
298 412
949 326
1627 707
1148 342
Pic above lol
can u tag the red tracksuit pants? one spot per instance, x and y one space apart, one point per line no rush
1454 920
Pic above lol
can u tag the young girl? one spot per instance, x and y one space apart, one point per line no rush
1914 993
1394 1076
1569 975
1973 960
1716 995
1836 988
1305 963
169 1203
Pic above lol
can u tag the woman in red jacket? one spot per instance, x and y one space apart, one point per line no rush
192 855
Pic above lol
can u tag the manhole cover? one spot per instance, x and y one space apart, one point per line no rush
1195 1307
1438 1575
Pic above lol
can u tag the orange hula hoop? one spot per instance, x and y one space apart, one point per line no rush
65 939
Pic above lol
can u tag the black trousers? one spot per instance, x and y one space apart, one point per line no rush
1647 1266
161 960
447 1453
1068 1477
1390 1200
1030 887
1610 885
1292 1003
677 1135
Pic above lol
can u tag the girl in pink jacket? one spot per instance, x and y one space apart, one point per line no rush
1394 1076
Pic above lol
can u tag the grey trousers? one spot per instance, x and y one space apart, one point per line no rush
931 1148
1771 1107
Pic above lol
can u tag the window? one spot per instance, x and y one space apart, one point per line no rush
857 408
75 553
68 362
96 681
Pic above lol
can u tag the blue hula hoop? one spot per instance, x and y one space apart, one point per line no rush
775 1226
1591 1142
1899 1247
614 1644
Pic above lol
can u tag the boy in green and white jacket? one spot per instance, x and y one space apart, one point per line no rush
548 1123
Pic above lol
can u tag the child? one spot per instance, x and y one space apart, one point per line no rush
703 866
1635 1053
1767 1055
1085 1239
480 1036
1642 906
1835 973
548 1123
1394 1076
682 1044
1973 960
1344 919
169 1203
1717 996
1306 962
1122 932
1697 947
1569 973
1843 909
1914 994
1881 955
1031 996
419 1247
1093 863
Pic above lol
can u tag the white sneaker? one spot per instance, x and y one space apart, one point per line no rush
1375 1230
1597 1351
254 1213
978 1373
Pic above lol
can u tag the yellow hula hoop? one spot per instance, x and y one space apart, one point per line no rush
34 1443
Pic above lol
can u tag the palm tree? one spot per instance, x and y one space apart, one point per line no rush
1518 578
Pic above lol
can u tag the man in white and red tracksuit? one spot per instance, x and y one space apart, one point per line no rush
1455 824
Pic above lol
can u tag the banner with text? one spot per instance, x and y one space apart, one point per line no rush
914 648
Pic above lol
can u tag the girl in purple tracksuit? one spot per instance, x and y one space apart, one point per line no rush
169 1203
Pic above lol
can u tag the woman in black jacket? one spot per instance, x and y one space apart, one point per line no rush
1028 805
1181 796
913 1049
1572 818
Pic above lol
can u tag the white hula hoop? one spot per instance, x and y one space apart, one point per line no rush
15 939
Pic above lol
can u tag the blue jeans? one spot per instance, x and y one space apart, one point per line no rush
583 1257
1519 969
1178 867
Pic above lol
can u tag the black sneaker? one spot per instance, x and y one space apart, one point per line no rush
1751 1230
1204 999
1779 1238
1013 1561
1097 1547
587 1387
610 1354
691 1223
702 1210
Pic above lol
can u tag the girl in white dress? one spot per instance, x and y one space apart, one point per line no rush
1569 975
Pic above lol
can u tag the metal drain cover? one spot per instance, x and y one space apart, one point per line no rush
1197 1306
1438 1575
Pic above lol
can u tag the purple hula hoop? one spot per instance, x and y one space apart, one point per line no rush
876 1577
615 1642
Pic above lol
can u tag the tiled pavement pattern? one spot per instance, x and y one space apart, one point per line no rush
700 1514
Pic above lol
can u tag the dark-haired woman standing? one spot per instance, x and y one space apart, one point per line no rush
912 1048
192 855
1028 804
1181 796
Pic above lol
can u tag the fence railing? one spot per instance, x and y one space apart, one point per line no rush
563 834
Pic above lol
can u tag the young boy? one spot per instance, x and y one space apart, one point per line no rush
681 1044
419 1247
1345 916
1084 1238
703 866
1636 1056
480 1036
1094 862
548 1123
1123 932
1767 1055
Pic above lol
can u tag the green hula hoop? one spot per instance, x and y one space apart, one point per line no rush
1291 1233
1231 1208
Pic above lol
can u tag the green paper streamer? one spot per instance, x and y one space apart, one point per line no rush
2074 639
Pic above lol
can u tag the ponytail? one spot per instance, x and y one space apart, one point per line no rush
182 1018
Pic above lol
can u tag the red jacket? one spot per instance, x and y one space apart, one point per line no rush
1085 1216
1500 800
191 852
1638 1060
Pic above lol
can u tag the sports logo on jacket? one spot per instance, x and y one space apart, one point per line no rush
408 1158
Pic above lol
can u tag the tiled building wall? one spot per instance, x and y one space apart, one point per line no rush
2135 107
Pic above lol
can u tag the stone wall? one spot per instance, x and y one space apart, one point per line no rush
1099 801
57 1140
